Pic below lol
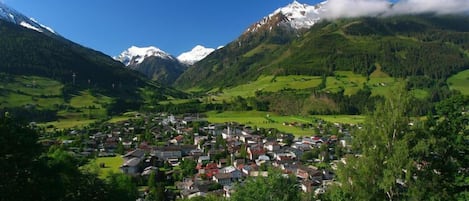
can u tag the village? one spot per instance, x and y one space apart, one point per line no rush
198 158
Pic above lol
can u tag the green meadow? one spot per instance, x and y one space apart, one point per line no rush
269 84
346 80
347 119
111 165
17 91
282 123
83 109
270 120
460 82
379 82
261 120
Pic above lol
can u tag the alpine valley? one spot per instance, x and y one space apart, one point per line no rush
42 75
298 52
343 100
295 41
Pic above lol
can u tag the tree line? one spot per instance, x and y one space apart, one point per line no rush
30 171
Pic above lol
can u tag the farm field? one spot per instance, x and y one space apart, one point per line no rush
346 80
82 110
175 101
261 120
17 91
270 84
90 105
270 120
460 82
68 123
45 93
379 82
347 119
124 117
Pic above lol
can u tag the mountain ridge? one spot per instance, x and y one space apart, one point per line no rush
357 44
11 15
296 15
30 53
136 55
197 53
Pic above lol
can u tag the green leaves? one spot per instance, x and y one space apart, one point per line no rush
397 161
274 187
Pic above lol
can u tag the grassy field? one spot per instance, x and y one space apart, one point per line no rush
124 117
45 93
346 80
262 120
87 109
175 101
86 99
119 119
17 91
40 85
68 123
270 120
270 84
348 119
379 82
420 93
90 105
111 165
460 82
260 49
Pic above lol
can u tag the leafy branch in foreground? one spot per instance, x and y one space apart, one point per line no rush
399 159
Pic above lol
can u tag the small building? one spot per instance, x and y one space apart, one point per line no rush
272 146
131 167
164 153
235 173
223 179
137 153
254 152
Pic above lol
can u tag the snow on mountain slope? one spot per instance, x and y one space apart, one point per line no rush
196 54
10 15
296 15
136 55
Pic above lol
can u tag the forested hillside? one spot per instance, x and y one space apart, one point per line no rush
431 46
31 53
36 56
163 70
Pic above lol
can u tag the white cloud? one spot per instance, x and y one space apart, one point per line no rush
355 8
435 6
360 8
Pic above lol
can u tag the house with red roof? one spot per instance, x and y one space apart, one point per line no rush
255 151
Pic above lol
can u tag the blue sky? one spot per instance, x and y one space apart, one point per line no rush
174 26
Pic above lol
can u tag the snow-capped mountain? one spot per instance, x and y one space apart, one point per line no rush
296 15
13 16
153 63
136 55
196 54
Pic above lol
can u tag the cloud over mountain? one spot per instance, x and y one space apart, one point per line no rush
359 8
435 6
354 8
